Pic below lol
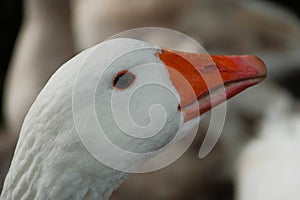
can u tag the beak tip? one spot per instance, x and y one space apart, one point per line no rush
256 62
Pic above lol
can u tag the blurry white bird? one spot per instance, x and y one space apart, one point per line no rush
268 167
50 160
44 43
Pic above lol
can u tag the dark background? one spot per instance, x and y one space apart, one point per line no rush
10 20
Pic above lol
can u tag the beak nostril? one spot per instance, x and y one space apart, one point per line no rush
211 67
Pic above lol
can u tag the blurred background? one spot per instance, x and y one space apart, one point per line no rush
37 36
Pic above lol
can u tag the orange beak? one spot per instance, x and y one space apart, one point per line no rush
204 81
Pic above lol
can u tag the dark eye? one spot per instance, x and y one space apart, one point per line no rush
123 80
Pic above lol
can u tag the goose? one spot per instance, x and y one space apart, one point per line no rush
268 167
58 154
45 35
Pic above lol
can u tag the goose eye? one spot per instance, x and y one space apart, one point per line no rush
123 80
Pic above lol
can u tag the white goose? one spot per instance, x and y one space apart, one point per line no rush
50 160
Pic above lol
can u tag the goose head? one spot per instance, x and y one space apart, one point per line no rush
123 95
